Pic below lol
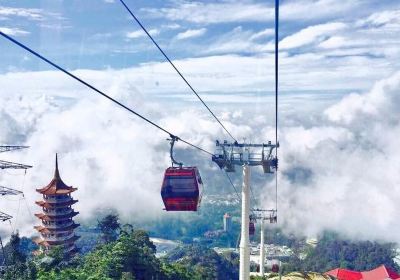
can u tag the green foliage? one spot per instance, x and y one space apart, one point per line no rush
204 263
130 253
332 252
131 256
108 227
185 227
13 252
176 271
17 266
20 271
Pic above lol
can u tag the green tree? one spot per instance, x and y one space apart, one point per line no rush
109 226
13 250
204 263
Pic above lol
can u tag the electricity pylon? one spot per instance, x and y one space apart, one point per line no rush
9 191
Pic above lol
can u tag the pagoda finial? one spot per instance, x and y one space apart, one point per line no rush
56 172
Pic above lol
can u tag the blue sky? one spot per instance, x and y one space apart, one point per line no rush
323 37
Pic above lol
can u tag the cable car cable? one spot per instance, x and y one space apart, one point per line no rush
99 92
176 69
276 95
233 186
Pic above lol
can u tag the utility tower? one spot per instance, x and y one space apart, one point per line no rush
229 155
5 217
9 191
270 216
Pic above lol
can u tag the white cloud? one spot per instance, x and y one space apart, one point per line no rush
380 104
333 42
319 9
199 12
118 169
33 14
13 31
140 33
311 34
239 40
248 11
388 17
109 1
263 34
341 173
171 26
191 33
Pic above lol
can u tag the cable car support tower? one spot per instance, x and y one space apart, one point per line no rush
269 216
229 155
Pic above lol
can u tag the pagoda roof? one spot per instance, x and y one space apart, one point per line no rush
57 217
48 204
43 229
56 186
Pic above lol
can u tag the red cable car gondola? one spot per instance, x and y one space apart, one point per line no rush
181 187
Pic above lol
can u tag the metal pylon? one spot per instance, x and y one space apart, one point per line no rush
228 156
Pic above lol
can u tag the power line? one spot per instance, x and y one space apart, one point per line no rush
99 92
176 69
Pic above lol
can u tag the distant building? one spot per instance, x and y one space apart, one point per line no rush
57 228
227 222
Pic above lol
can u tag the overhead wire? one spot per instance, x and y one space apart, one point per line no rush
176 69
276 95
233 186
235 189
99 91
28 208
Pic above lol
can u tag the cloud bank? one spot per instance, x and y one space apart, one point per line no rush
342 173
338 171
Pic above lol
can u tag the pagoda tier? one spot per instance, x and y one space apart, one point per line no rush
49 242
43 229
55 216
57 228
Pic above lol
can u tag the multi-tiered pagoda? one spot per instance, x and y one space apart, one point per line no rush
57 228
